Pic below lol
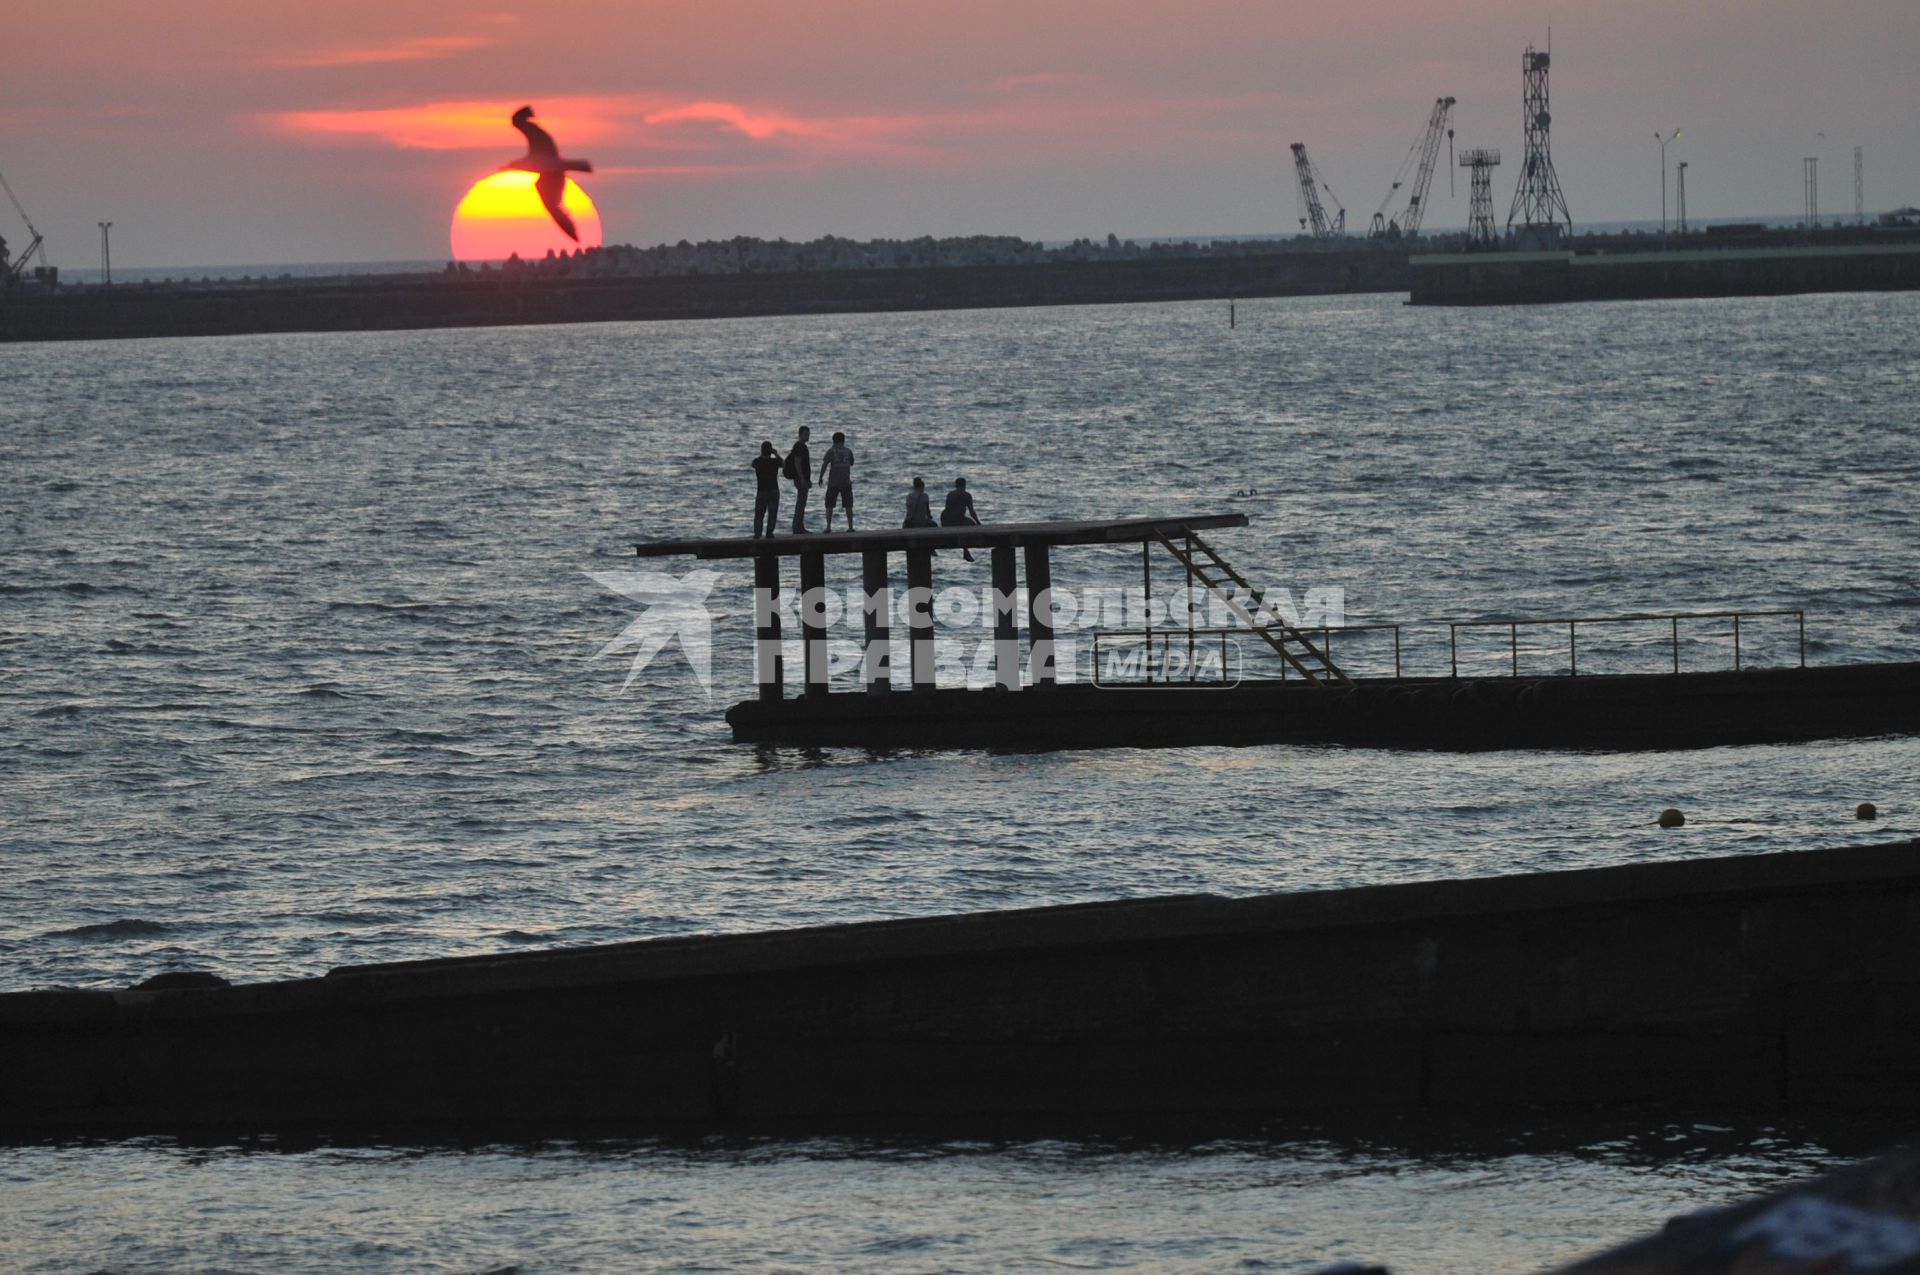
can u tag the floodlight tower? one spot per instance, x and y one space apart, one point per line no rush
1539 211
1481 162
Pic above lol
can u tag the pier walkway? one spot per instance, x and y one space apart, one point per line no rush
1009 545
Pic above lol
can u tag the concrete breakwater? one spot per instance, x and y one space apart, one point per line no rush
1749 983
1513 278
1649 710
439 301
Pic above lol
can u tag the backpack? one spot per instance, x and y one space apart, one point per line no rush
787 467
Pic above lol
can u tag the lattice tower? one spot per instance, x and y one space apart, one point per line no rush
1481 164
1538 206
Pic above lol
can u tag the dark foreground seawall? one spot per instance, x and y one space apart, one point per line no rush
1515 278
1765 983
435 301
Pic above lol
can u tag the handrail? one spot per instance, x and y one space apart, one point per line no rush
1513 625
1327 633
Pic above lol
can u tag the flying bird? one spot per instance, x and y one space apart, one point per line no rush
543 157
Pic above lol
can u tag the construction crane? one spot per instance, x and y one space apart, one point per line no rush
1314 216
10 270
1426 148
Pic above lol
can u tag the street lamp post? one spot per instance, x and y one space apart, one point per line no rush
1663 179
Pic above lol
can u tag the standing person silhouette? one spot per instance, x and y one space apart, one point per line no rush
836 470
766 499
959 512
800 471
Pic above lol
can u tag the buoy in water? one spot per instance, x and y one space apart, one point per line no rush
1670 818
1866 810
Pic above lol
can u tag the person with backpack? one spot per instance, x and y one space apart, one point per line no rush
799 469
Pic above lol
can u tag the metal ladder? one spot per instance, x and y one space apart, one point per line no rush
1214 571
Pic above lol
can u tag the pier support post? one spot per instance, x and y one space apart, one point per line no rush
920 616
1040 615
1006 631
877 611
813 620
768 665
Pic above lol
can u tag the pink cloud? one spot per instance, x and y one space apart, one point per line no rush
424 48
759 125
711 136
453 126
687 170
646 121
418 48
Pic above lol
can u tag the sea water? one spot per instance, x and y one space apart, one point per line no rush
301 664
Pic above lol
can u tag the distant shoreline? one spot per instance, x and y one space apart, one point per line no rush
625 285
534 296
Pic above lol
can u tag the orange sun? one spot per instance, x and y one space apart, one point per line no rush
502 215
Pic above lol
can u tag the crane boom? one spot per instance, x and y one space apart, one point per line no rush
1426 148
1429 152
12 269
1322 226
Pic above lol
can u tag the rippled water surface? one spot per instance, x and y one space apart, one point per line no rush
1277 1205
297 666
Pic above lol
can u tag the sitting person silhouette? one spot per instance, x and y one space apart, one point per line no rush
960 512
919 510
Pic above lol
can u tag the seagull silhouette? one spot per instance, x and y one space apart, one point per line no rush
543 157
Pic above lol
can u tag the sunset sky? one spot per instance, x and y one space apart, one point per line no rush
221 131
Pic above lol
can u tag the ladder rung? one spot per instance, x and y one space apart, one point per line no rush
1197 552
